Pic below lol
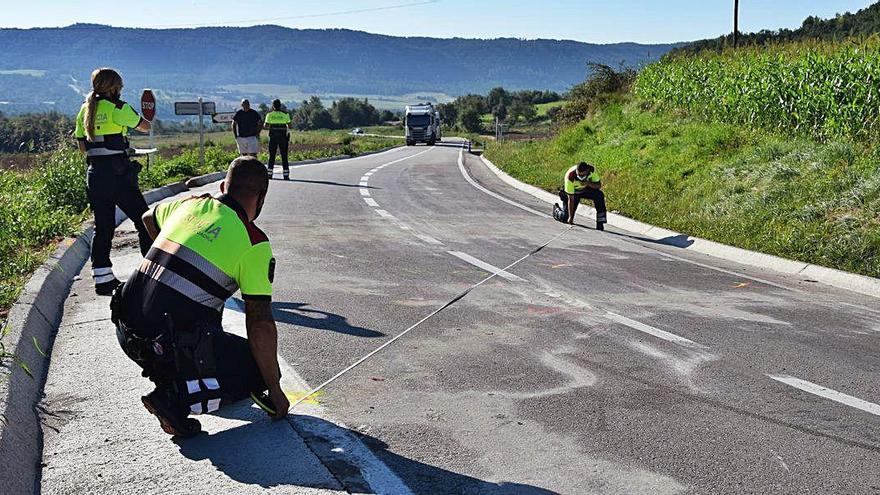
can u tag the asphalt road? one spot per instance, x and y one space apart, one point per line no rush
604 363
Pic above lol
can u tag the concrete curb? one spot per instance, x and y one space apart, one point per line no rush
837 278
34 320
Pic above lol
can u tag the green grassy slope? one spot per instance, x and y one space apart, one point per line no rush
791 197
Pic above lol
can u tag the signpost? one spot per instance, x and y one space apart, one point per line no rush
148 110
201 134
200 108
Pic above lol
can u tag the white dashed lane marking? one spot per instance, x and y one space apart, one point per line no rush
364 184
648 329
384 213
485 266
827 393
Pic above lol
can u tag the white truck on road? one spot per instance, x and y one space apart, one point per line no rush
422 124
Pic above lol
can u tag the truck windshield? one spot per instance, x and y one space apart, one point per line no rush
418 120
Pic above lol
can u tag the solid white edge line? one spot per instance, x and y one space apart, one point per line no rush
493 194
372 202
485 266
827 393
648 329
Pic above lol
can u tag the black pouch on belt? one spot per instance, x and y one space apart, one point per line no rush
194 350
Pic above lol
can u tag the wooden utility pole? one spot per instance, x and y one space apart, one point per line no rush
735 23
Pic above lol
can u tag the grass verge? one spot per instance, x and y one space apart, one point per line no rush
790 197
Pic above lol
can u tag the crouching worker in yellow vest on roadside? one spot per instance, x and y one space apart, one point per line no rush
278 123
168 313
581 182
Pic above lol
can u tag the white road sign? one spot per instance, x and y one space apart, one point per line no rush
192 108
223 117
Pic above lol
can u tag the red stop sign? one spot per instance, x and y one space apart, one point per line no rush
148 105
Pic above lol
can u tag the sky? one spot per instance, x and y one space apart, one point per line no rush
593 21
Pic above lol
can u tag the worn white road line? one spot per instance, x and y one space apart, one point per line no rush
364 192
429 239
648 329
363 183
828 393
384 213
485 266
372 202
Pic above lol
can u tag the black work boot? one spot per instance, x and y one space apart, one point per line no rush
172 416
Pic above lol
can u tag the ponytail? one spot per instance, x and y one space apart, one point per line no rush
105 82
89 115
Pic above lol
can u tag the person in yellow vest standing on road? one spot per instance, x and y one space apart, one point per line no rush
112 179
278 123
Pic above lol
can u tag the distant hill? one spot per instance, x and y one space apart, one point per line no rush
46 68
865 22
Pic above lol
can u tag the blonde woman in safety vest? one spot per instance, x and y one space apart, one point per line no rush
102 127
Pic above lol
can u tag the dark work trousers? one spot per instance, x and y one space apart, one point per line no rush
112 182
594 195
234 377
279 142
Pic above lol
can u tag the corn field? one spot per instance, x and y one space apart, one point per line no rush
824 91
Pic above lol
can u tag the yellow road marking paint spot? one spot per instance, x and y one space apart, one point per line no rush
294 396
741 285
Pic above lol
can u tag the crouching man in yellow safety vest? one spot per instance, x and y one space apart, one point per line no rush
168 314
582 182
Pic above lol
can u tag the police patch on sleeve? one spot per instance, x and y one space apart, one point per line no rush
272 270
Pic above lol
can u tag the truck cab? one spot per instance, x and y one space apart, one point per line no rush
422 124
